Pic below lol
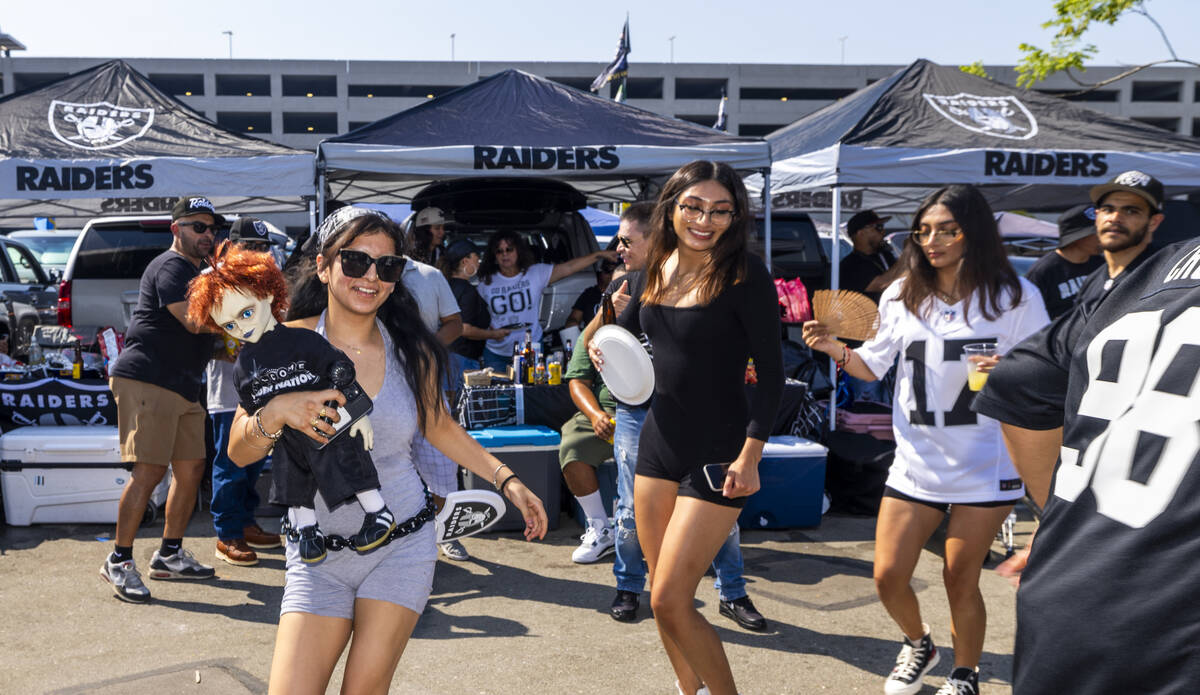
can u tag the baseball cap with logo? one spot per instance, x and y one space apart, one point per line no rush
1075 224
430 216
195 205
249 229
863 219
1134 181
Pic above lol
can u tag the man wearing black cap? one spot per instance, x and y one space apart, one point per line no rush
234 497
156 384
870 257
1060 273
1128 210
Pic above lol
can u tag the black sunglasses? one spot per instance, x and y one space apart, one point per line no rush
199 227
356 263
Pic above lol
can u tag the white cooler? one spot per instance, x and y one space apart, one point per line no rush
71 474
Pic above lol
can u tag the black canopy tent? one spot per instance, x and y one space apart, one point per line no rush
105 141
517 124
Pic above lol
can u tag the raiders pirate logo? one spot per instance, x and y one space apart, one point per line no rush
1002 117
98 126
1133 178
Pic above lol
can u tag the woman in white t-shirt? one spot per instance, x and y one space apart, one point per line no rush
511 284
952 286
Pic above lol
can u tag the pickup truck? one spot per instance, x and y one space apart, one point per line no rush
100 284
27 293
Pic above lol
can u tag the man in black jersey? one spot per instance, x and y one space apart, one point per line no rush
1128 210
1060 273
1107 603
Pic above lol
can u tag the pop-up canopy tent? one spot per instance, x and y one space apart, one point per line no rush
105 141
517 124
886 145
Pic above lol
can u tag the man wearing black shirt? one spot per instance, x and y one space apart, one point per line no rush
1128 210
1060 274
870 257
156 382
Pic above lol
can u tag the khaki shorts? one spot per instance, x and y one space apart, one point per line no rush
580 443
157 425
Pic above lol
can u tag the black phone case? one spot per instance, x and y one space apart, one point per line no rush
358 405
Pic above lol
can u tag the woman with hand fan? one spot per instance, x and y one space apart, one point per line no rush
707 306
952 286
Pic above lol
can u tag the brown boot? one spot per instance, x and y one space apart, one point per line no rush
236 552
258 538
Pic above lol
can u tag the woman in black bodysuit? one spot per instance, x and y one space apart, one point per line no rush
707 306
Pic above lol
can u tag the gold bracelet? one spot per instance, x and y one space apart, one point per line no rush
262 430
496 474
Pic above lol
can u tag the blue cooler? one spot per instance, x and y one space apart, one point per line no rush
792 474
530 451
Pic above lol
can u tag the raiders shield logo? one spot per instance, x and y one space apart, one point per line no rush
1003 117
98 126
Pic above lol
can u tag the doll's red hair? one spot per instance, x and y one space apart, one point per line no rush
235 268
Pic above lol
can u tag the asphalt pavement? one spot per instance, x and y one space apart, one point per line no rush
519 617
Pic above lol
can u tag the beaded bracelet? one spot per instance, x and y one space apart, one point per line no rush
506 481
841 364
262 430
250 440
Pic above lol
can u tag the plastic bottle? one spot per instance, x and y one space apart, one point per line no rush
35 353
77 364
517 366
539 376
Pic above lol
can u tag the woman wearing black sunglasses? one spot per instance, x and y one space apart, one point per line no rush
342 291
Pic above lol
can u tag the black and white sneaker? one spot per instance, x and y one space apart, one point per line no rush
962 681
376 528
311 545
913 662
181 565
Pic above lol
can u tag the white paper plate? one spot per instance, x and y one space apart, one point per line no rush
628 371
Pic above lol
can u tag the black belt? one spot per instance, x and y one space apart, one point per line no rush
404 528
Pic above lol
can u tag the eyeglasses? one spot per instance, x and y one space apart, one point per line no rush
356 263
624 241
259 246
691 213
198 227
941 236
505 249
878 226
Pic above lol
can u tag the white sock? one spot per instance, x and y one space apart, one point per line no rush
302 517
593 509
370 500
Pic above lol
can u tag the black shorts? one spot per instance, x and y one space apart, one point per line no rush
692 482
942 507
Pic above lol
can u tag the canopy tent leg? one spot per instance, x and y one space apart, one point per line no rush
321 196
835 251
766 174
312 217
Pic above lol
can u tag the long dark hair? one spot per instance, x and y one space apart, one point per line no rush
489 266
726 262
416 348
985 272
420 246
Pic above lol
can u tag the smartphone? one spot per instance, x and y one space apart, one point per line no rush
358 404
714 473
516 326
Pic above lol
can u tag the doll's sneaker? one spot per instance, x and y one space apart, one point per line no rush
311 545
376 528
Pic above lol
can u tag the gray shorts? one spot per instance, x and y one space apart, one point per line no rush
400 572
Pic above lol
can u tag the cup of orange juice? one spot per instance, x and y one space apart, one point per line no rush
976 353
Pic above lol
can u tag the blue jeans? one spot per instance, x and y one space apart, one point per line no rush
234 497
629 567
499 363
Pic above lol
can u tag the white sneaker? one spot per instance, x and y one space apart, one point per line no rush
453 550
181 565
126 581
595 543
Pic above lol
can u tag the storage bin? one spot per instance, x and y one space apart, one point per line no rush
792 478
532 453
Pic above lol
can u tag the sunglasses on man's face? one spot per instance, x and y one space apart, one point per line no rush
356 263
198 227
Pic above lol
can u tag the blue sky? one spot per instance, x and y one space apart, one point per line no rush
767 31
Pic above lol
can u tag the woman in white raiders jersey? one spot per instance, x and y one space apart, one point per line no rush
952 286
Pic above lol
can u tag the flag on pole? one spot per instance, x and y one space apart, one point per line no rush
619 68
720 124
